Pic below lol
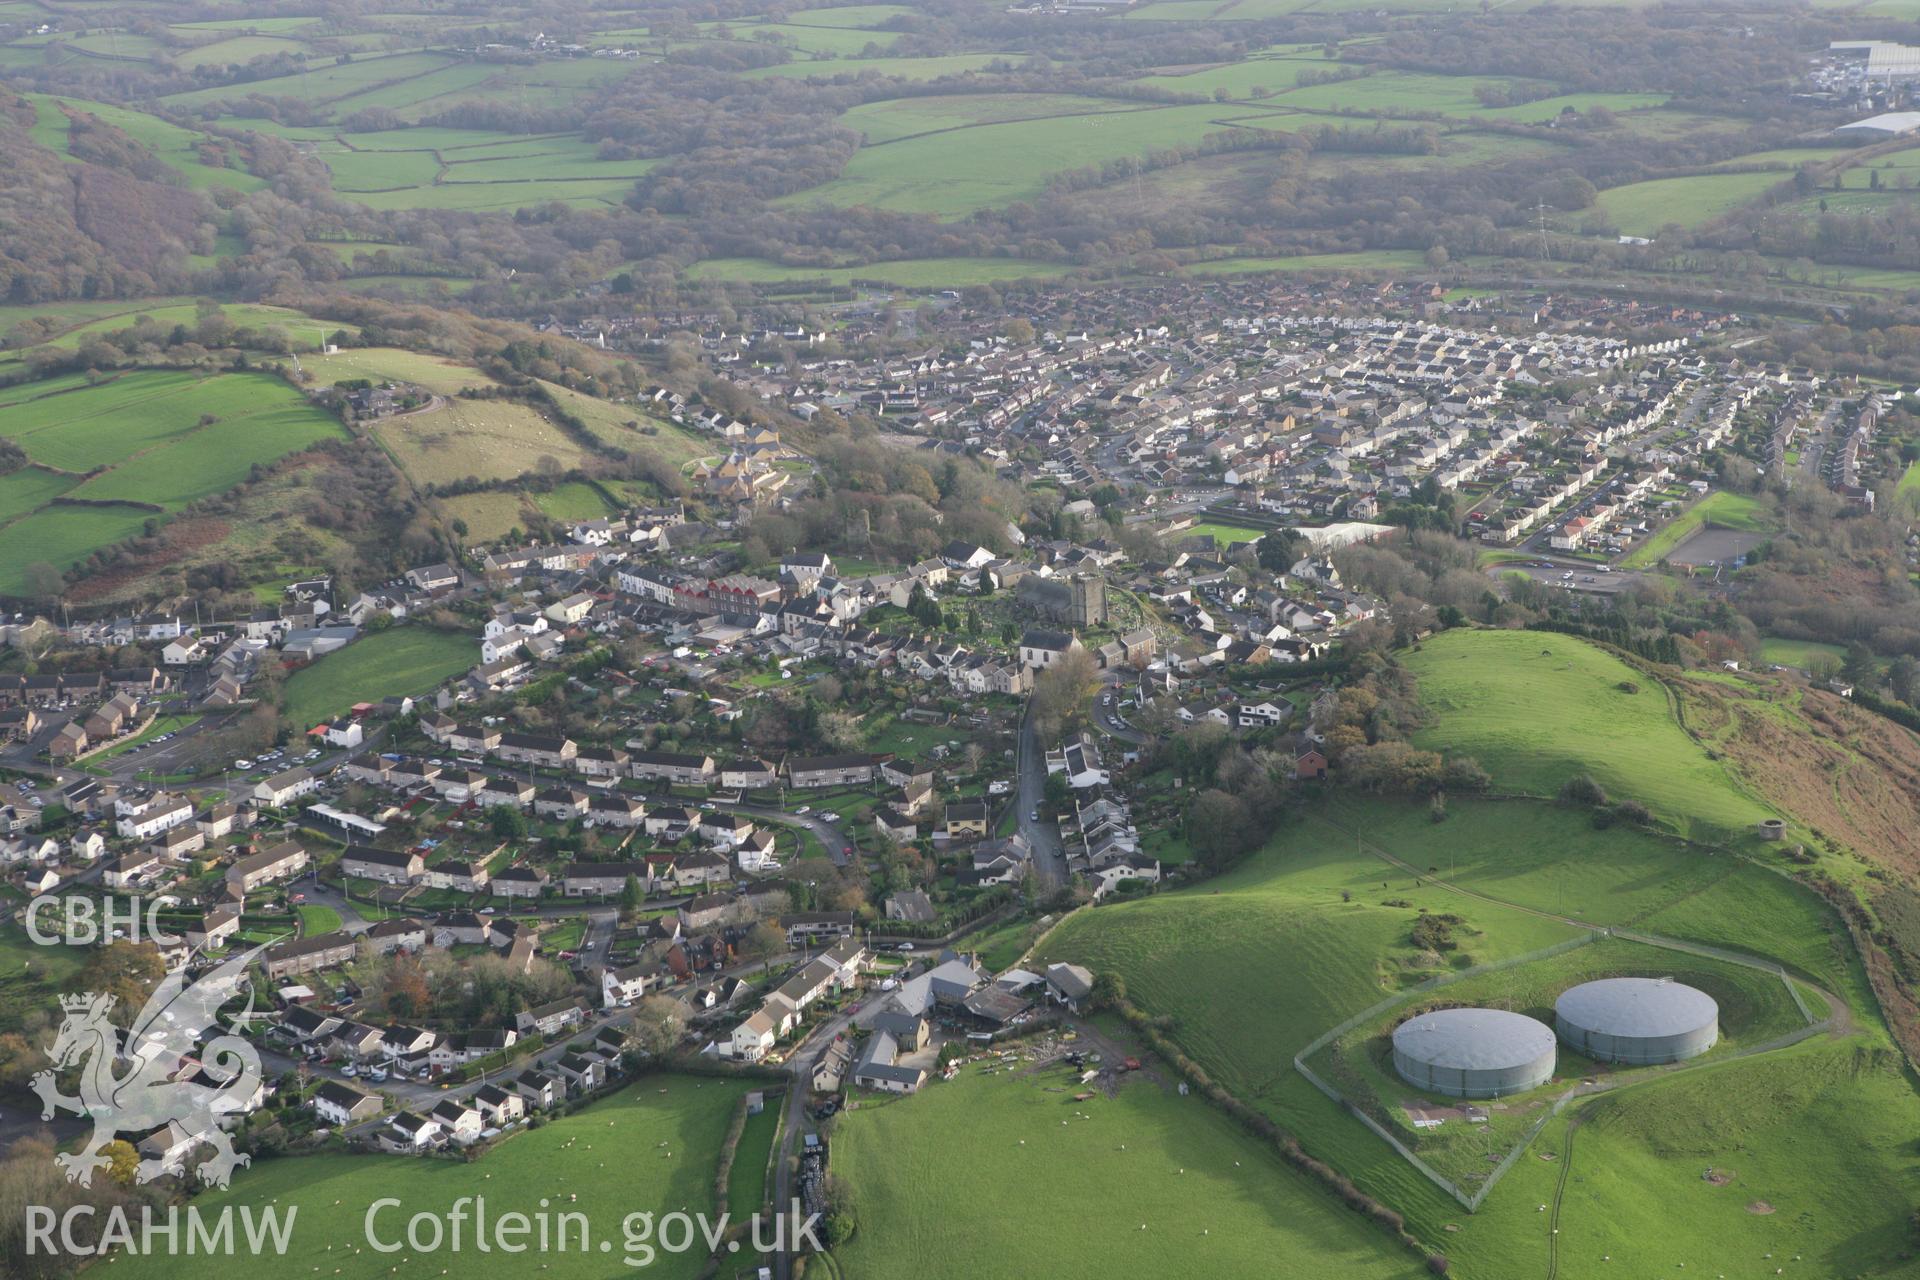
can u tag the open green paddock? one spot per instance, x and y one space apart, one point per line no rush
1725 509
650 1148
1536 708
892 119
1643 208
236 50
1363 260
1799 653
629 428
933 68
85 428
1000 1175
436 373
145 438
403 661
953 173
909 273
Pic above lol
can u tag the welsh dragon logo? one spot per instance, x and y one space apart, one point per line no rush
145 1096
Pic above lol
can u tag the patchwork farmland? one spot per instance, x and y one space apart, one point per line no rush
103 460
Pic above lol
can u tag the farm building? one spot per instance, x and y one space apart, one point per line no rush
1473 1053
1637 1020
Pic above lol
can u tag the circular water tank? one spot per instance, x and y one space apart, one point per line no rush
1473 1053
1637 1021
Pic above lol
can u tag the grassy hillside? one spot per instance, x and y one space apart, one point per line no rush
1537 708
140 446
980 1179
661 1135
1250 967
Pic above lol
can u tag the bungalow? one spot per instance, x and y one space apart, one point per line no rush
878 1067
808 928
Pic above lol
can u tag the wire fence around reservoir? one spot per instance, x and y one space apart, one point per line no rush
1471 1201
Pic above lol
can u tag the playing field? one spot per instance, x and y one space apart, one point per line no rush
1224 535
409 660
648 1149
1005 1175
1536 708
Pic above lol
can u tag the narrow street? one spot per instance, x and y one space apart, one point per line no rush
1049 859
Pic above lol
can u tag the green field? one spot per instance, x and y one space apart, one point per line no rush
409 660
955 172
911 273
980 1179
1249 967
1799 653
1643 208
1536 708
650 1148
1223 535
1726 509
156 438
177 147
